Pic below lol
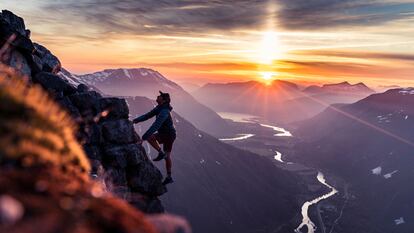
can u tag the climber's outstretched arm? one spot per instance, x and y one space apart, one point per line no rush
146 116
162 116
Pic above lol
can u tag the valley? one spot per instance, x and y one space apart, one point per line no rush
256 137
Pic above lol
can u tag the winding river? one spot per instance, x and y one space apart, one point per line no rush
281 132
306 221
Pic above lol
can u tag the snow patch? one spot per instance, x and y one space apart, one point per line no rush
377 171
407 91
389 175
127 74
399 221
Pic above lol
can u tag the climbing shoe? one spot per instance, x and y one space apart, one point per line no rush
161 156
168 180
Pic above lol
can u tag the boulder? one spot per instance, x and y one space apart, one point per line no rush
131 153
87 103
97 169
92 152
119 132
94 135
65 102
117 108
19 62
114 178
114 156
82 88
46 60
145 178
14 21
146 204
154 205
53 83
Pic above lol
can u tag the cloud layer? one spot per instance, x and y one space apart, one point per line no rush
178 16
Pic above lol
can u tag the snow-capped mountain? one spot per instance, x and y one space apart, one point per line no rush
74 80
147 83
120 76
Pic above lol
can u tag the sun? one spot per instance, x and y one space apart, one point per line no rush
267 77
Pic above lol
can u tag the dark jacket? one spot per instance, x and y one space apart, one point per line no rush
163 122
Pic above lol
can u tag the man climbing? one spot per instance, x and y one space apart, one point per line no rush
166 131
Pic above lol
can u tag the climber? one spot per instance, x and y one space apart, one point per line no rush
166 131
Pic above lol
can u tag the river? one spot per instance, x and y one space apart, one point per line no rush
281 132
241 136
306 221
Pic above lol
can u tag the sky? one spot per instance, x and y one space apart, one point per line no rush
306 41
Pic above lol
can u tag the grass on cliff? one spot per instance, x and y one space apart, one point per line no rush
34 130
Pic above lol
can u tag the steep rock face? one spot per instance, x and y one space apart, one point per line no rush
104 130
44 173
110 140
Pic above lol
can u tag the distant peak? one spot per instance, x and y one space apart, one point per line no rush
345 83
360 84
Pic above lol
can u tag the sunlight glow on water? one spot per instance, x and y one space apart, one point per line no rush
237 117
241 137
283 132
306 221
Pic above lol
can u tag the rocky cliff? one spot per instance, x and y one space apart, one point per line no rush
56 162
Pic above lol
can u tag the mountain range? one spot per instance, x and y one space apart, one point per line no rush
359 88
280 101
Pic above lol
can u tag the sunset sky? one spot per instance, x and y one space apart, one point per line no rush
313 41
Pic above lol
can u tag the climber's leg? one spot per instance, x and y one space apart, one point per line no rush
152 140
